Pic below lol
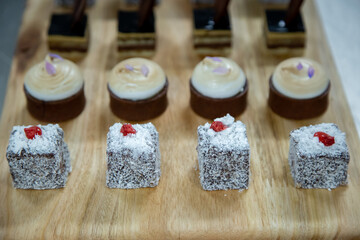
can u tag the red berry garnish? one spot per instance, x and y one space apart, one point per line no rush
218 126
30 132
127 129
325 138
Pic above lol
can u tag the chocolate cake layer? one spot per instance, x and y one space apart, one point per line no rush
216 107
139 110
297 108
56 111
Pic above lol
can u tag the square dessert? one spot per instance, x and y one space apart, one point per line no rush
223 154
212 27
68 37
318 156
38 157
133 36
278 34
137 37
133 156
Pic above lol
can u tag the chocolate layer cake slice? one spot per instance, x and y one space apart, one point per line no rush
136 29
66 37
212 28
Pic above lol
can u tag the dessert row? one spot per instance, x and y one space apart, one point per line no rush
70 27
39 158
54 89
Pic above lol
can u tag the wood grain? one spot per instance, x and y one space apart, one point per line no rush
178 208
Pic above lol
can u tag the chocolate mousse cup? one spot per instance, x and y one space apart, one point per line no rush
56 111
297 108
212 108
139 110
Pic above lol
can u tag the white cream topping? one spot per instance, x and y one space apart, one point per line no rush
136 79
310 144
233 137
65 81
46 143
300 78
218 77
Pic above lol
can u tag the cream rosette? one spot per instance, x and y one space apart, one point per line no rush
218 77
136 79
300 78
53 79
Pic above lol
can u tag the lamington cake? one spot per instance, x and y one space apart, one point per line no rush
223 154
38 157
133 156
319 156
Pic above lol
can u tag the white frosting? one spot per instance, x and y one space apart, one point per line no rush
218 77
65 82
233 137
311 146
293 80
141 142
46 143
136 79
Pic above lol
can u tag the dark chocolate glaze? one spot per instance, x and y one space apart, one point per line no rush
139 110
204 19
275 16
297 108
62 24
128 22
56 111
218 107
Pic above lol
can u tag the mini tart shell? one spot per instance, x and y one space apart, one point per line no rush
211 108
293 108
139 110
58 110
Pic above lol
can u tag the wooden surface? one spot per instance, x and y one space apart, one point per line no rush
178 208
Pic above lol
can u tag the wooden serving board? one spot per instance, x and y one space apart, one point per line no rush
178 208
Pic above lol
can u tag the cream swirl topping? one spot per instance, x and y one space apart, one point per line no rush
218 77
62 80
136 79
300 78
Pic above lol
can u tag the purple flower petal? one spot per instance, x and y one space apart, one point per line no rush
129 67
50 69
53 55
221 70
299 66
216 59
144 70
311 72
